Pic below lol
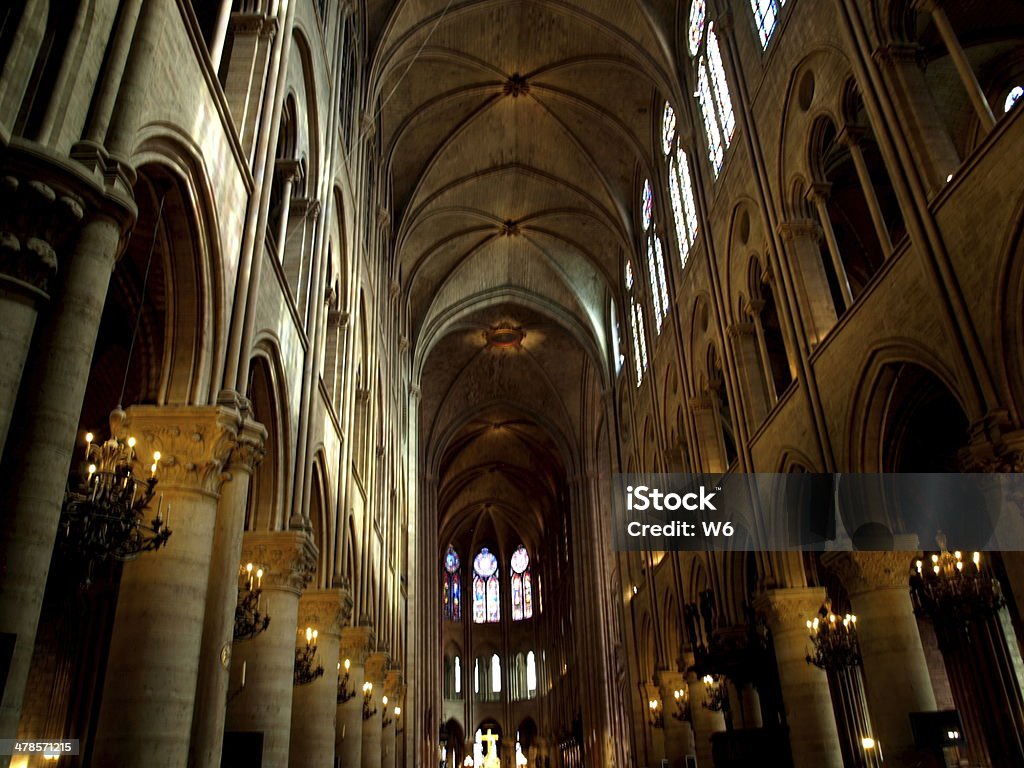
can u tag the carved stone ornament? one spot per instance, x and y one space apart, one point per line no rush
796 229
288 557
327 610
36 223
862 572
786 610
356 643
195 443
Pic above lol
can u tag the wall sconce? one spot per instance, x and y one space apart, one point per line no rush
385 721
714 693
367 698
657 715
344 693
249 621
304 657
682 699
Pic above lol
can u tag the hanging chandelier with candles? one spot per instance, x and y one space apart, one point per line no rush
249 620
344 692
305 672
105 517
714 693
833 640
947 587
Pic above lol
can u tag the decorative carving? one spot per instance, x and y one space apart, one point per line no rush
509 228
787 610
516 86
862 572
356 643
195 443
326 610
288 557
36 221
375 666
800 228
900 53
736 330
249 451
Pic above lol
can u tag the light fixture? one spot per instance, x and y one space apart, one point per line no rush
344 692
385 721
682 700
714 693
104 518
367 700
953 589
249 621
834 640
655 713
468 762
305 673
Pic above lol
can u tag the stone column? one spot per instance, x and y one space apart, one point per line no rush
315 706
850 138
221 599
348 737
35 220
813 736
704 722
819 197
264 703
376 664
678 732
393 690
817 310
896 676
46 421
145 717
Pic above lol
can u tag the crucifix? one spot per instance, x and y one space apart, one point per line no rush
491 760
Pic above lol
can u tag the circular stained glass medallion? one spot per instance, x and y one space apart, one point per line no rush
485 564
451 561
520 559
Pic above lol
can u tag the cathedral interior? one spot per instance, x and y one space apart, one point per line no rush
326 327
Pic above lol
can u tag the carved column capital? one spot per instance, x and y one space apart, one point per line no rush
862 572
900 53
356 643
326 610
736 330
787 610
249 449
288 558
375 666
195 443
795 229
36 222
393 684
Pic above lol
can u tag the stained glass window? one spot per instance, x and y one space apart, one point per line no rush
636 321
697 13
646 205
531 672
522 598
680 186
716 154
1013 97
458 676
721 86
766 14
452 586
486 599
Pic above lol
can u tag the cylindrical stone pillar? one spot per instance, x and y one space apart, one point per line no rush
704 721
393 690
267 662
376 665
46 421
145 717
221 599
678 733
896 678
813 736
315 706
348 738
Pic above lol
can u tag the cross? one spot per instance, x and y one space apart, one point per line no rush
492 749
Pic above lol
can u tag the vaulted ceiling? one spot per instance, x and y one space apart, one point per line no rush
515 135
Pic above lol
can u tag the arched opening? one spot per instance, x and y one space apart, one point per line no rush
49 59
263 509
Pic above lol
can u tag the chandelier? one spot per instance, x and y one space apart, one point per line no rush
104 518
305 673
385 721
834 640
714 693
249 621
682 700
656 713
344 693
367 699
954 589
